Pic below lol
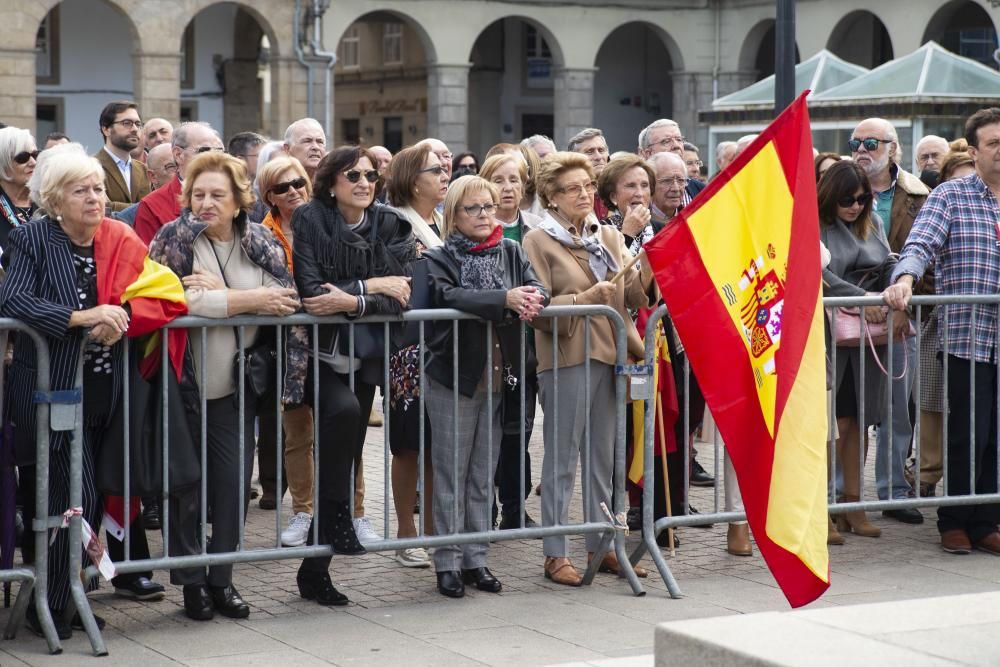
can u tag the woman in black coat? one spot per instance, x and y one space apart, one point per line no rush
479 271
350 257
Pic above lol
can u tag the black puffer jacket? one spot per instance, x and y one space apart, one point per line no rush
445 270
325 250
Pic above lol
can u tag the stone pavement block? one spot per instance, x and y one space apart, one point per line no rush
287 656
927 581
219 637
971 644
891 617
122 651
977 564
510 645
735 594
413 620
9 660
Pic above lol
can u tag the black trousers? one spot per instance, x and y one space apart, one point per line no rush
508 474
268 419
223 489
138 550
343 423
971 450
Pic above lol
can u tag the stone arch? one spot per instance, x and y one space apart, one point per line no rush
343 24
966 21
667 40
757 51
861 37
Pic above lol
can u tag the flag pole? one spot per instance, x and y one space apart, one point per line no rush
663 463
632 262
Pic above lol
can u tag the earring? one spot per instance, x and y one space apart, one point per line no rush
416 191
332 195
58 218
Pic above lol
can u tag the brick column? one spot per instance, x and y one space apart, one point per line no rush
157 84
448 105
572 102
17 72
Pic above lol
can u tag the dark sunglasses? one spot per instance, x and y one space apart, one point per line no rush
847 202
437 171
24 156
205 149
870 143
282 188
354 175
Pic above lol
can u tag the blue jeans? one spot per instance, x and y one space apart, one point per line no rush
893 440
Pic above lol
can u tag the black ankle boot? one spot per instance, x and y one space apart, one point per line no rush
317 586
338 528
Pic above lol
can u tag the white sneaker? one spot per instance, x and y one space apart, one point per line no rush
297 532
365 532
415 557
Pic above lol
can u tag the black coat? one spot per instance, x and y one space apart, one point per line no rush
444 270
326 251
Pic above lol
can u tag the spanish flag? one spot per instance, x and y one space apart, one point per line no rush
739 270
666 405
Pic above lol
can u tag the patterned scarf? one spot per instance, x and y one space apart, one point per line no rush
478 260
601 260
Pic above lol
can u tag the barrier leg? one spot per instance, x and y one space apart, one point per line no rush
20 608
595 562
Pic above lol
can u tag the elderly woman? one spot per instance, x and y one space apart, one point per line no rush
66 276
860 264
285 187
229 267
417 185
575 258
478 271
508 172
352 257
626 188
18 154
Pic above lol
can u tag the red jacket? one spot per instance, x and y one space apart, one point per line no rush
158 208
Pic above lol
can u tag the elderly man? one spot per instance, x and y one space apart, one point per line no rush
163 205
591 143
950 229
898 196
246 146
930 153
305 141
664 136
157 131
725 153
383 156
541 144
692 160
125 181
440 149
55 139
160 165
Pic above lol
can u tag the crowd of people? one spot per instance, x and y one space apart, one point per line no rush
287 226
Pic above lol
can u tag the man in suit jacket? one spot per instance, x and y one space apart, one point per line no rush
125 180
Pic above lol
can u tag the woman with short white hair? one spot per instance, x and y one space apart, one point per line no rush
18 154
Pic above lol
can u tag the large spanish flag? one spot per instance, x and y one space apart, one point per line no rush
739 270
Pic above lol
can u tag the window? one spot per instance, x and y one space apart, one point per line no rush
350 48
392 44
535 45
49 116
537 59
392 133
187 57
350 131
47 49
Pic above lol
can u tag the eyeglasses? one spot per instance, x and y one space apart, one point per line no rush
354 175
437 171
282 188
476 210
870 143
204 149
128 123
676 180
847 202
669 141
693 163
24 156
577 189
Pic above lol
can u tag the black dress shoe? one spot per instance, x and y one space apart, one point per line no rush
77 623
663 539
140 588
151 514
692 511
512 521
699 476
450 584
228 602
63 629
197 603
908 515
634 518
482 578
313 586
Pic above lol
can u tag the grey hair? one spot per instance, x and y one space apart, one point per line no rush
721 149
13 140
662 122
58 166
533 140
301 122
582 136
270 150
691 148
180 138
665 156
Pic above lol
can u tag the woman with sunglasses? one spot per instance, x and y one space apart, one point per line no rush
284 187
18 154
351 257
860 264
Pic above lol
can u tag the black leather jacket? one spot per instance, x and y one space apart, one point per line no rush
444 270
325 250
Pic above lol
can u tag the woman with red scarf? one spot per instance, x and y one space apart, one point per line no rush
479 271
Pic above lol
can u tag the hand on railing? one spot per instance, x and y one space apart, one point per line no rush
105 334
334 301
202 279
277 300
113 317
398 287
898 295
875 314
525 301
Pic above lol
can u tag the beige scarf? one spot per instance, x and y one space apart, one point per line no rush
421 230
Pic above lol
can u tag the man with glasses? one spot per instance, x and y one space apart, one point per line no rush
692 160
440 149
163 205
591 143
125 179
305 140
930 152
898 196
664 136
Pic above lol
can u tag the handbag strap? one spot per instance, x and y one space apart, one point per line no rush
871 344
222 271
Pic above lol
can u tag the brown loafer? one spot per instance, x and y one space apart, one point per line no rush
610 565
990 544
738 539
957 542
561 571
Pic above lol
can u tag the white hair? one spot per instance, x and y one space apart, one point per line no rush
13 140
665 156
269 150
297 125
57 167
721 148
535 139
662 122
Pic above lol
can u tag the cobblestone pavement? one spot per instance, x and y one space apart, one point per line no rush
397 616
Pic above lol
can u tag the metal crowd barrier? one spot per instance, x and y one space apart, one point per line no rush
67 415
919 306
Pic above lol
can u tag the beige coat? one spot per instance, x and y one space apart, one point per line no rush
566 273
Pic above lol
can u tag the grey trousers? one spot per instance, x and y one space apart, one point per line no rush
463 502
563 434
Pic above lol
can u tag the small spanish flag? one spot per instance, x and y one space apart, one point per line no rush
739 270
